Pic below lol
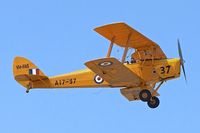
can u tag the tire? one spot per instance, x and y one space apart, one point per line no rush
145 95
153 102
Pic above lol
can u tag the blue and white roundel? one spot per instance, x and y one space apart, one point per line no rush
98 79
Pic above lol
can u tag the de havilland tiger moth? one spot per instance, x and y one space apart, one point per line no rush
138 79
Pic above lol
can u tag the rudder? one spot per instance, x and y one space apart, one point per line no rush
28 74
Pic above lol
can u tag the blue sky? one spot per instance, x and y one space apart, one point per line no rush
58 36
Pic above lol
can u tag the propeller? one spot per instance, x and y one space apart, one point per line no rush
181 58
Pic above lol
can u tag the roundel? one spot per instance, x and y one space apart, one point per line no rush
105 63
98 79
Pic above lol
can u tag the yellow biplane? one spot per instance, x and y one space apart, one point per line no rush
137 78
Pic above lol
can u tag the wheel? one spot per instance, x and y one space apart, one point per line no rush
153 102
145 95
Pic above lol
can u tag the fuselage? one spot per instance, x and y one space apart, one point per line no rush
150 71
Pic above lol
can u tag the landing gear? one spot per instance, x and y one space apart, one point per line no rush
150 97
153 102
29 86
145 95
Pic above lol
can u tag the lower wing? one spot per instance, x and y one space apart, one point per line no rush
114 72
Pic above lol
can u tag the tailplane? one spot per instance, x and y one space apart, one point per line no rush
28 74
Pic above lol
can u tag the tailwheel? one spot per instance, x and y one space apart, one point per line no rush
29 86
145 95
153 102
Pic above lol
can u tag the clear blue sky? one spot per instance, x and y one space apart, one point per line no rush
58 36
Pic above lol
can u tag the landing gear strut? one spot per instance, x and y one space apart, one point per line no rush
146 96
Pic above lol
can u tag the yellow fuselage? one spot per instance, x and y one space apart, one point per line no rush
151 72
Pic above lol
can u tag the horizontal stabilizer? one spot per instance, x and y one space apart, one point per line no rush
28 74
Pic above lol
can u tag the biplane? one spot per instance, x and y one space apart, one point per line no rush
139 78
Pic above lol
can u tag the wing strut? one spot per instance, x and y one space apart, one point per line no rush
110 47
126 48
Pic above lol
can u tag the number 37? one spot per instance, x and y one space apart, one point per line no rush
165 69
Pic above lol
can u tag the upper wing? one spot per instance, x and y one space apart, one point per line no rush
114 72
121 32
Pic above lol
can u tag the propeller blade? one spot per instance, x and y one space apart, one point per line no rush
180 51
182 60
184 72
